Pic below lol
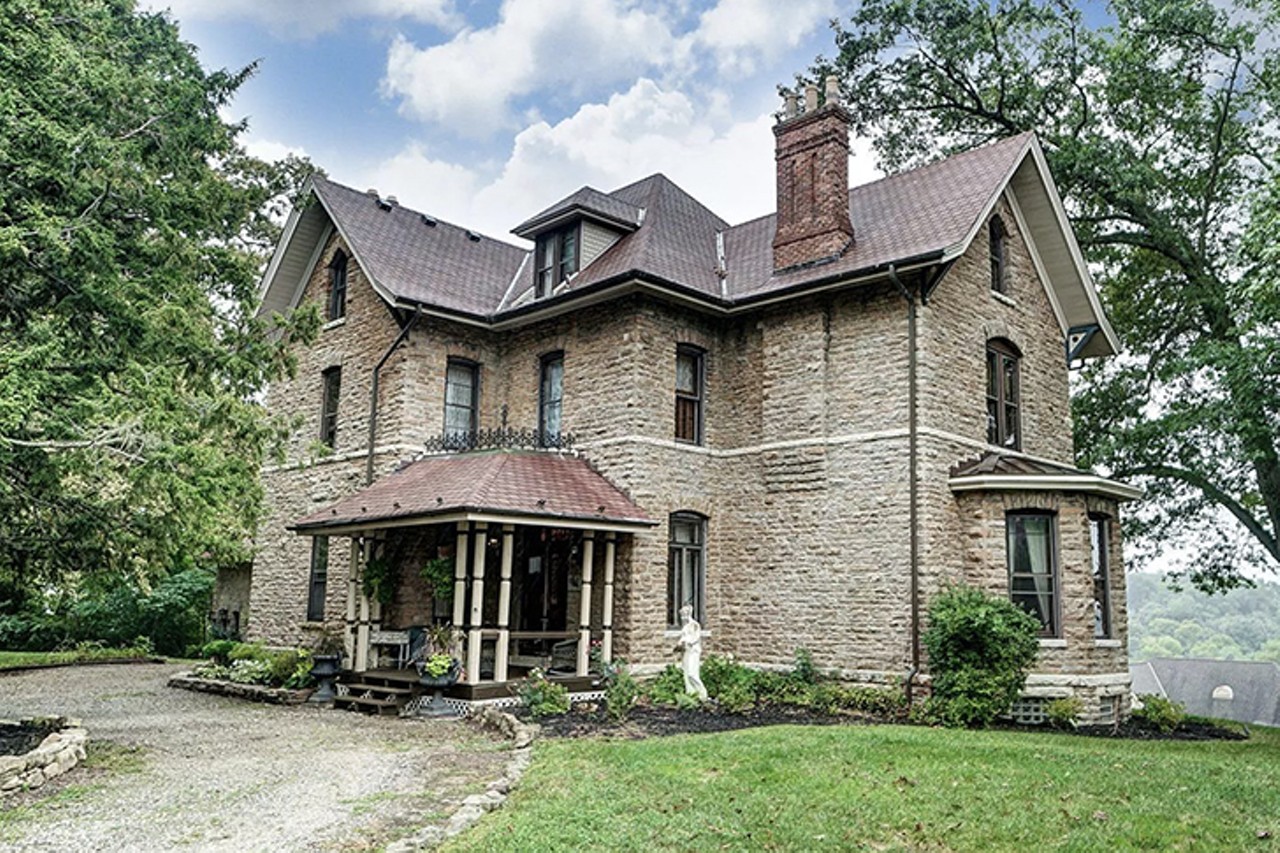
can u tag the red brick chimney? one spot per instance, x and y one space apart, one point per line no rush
812 152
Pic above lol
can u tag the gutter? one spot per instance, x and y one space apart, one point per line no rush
913 489
373 392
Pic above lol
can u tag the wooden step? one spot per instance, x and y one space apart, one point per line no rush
369 706
358 688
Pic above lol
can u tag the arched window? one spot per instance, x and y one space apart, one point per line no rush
338 285
1003 397
999 273
686 566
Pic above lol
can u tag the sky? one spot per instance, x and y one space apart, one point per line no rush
483 113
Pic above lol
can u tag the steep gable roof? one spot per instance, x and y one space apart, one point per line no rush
671 242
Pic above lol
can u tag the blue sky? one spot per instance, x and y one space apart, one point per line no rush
484 112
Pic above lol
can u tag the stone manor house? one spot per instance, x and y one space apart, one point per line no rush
803 426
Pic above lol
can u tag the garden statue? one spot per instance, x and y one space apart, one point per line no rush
691 641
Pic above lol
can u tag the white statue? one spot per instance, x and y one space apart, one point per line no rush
691 641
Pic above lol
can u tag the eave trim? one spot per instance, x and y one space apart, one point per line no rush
1080 483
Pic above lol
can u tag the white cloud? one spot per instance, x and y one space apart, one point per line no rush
727 166
742 33
271 150
469 82
302 19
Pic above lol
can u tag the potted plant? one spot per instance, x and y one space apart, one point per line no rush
439 667
326 663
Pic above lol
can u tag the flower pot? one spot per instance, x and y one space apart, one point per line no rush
447 679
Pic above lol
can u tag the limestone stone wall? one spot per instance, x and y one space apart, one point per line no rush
59 751
802 475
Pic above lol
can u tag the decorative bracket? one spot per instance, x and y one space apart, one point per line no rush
1078 338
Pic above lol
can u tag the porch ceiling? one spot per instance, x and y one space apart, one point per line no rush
501 485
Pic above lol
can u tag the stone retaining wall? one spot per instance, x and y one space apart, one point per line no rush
252 692
61 750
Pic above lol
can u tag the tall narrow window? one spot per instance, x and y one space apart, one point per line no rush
689 381
549 398
1003 395
319 578
557 257
461 399
332 381
338 286
686 567
1033 571
996 235
1099 539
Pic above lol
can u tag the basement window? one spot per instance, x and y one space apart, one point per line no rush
557 258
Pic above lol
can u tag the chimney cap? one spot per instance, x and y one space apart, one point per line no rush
833 90
372 192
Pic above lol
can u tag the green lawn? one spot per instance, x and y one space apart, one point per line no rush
10 660
890 787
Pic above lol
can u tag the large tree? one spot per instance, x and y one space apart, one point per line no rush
131 231
1159 124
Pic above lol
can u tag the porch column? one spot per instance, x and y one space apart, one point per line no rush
606 641
361 661
459 585
504 605
353 569
474 640
584 609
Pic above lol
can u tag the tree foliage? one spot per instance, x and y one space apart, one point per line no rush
132 227
1243 624
1160 129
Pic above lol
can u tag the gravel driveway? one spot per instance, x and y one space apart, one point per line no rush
170 769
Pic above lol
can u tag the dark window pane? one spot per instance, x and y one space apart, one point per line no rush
686 573
1033 567
332 385
550 395
319 578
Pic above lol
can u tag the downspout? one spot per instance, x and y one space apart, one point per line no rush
912 487
373 391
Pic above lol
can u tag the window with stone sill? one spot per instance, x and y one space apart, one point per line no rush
690 380
1003 395
997 243
686 567
331 381
461 398
1032 553
319 579
550 397
1099 540
557 258
337 303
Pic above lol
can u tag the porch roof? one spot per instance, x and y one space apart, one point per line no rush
1007 472
538 487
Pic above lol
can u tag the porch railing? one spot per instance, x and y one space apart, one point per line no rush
499 438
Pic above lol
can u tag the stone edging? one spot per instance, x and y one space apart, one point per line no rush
252 692
57 753
33 667
474 807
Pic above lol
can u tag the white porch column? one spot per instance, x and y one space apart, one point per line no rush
459 585
474 640
501 653
606 640
361 661
349 635
584 609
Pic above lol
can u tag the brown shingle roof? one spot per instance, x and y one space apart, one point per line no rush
550 485
998 464
914 214
440 264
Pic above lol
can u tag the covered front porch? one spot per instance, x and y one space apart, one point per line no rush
507 559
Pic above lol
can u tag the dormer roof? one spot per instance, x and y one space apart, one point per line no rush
588 203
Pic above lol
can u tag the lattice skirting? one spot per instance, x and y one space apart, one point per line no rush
466 707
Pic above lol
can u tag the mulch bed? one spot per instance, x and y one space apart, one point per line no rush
659 721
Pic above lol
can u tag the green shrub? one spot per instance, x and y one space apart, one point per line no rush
219 651
667 688
782 688
284 664
980 649
301 675
621 690
1164 714
248 651
215 671
831 698
804 670
730 684
543 697
1065 713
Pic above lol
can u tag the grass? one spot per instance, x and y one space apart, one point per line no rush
13 660
103 758
890 787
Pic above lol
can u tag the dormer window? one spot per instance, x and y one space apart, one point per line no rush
557 255
338 286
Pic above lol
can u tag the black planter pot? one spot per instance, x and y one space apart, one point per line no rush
324 668
437 683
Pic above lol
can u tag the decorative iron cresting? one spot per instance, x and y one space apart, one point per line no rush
501 438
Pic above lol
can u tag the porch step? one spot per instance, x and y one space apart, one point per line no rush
381 707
